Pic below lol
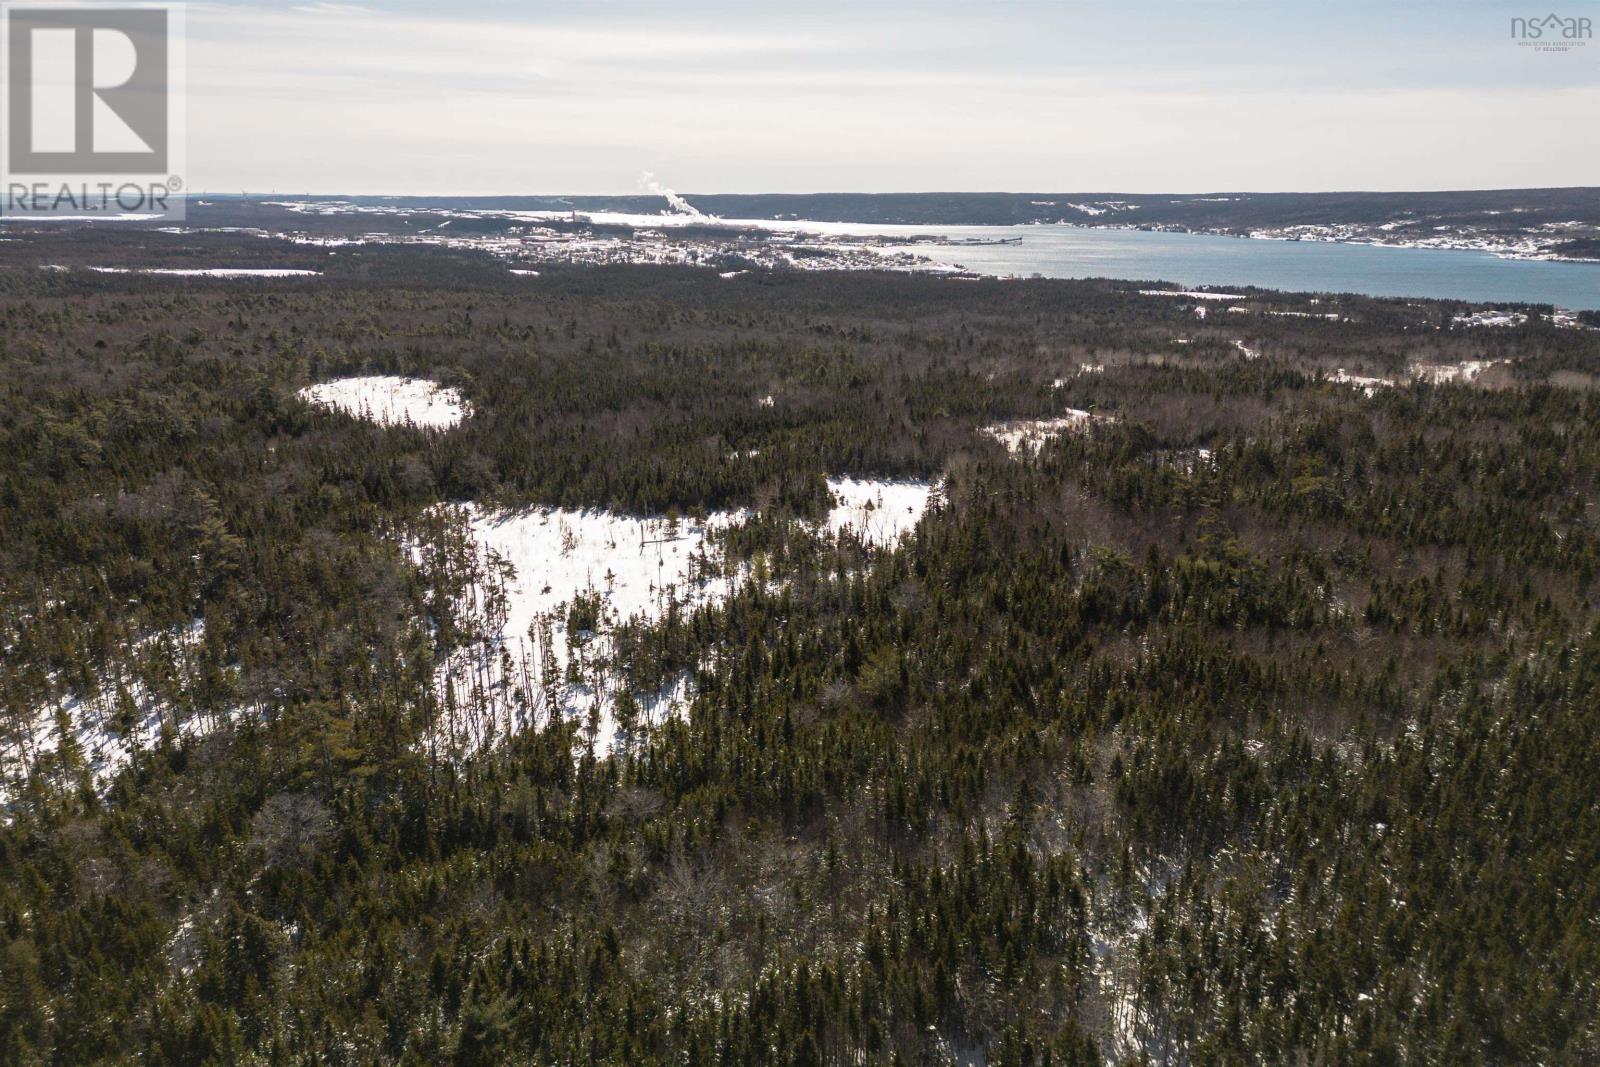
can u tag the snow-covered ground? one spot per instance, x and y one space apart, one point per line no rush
878 512
1193 294
557 584
550 589
1331 316
1429 373
1101 207
131 703
391 400
1365 384
1027 436
1083 368
213 272
542 564
1443 373
1119 925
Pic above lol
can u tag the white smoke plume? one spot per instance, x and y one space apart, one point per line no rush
676 202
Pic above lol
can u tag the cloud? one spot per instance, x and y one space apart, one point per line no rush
339 97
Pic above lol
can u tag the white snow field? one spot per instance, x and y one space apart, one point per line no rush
214 272
1444 373
538 566
1365 384
1026 436
131 703
1428 373
391 401
1193 294
542 561
879 512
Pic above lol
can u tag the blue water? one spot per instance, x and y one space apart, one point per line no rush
1200 259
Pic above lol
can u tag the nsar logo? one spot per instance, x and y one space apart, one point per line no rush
1552 33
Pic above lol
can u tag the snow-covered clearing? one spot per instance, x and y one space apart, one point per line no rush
1366 385
1083 368
1027 436
213 272
391 401
1193 294
130 704
1102 207
1444 373
1246 351
1331 316
878 512
556 585
1428 373
550 589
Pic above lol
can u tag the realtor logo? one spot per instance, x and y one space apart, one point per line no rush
1552 32
91 110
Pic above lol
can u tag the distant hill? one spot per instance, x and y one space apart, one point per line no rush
1220 211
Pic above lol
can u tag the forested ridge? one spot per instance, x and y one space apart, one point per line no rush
1259 722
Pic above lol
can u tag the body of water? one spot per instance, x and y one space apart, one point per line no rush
1309 266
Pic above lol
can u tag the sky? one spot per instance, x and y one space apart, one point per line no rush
485 97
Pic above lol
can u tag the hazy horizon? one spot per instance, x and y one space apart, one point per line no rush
444 195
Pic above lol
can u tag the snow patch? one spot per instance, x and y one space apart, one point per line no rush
1027 436
1193 294
131 704
879 512
391 401
559 583
1367 385
1444 373
213 272
556 585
